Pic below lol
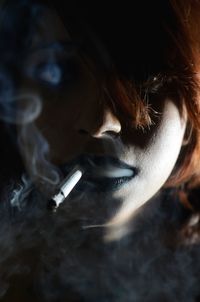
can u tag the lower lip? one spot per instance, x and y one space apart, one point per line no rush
103 184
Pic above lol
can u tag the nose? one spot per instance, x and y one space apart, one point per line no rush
102 123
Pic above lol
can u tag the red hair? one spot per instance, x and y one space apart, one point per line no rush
181 82
187 41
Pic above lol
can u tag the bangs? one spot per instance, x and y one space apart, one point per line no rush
139 55
133 103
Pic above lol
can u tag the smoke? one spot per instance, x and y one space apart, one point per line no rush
21 193
57 257
23 110
53 257
36 152
19 108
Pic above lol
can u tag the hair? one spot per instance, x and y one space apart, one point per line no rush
186 41
154 53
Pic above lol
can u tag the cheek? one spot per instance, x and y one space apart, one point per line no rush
56 124
155 163
161 155
59 119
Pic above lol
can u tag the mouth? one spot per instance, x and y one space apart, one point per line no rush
101 173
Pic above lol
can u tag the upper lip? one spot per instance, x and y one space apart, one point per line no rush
89 162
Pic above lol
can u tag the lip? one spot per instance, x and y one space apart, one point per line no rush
99 172
102 184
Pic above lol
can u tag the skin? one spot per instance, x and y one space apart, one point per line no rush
78 119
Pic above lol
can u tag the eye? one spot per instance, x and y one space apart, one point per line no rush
57 73
50 73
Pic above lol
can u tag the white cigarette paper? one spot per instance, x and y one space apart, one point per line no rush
67 185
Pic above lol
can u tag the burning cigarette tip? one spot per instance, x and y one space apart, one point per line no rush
51 205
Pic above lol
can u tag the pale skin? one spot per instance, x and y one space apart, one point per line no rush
78 120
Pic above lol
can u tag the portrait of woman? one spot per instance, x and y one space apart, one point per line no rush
100 151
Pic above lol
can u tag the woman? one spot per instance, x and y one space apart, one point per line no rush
121 100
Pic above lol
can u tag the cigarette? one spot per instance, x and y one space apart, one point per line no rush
65 188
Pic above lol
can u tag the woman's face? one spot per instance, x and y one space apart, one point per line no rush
81 126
